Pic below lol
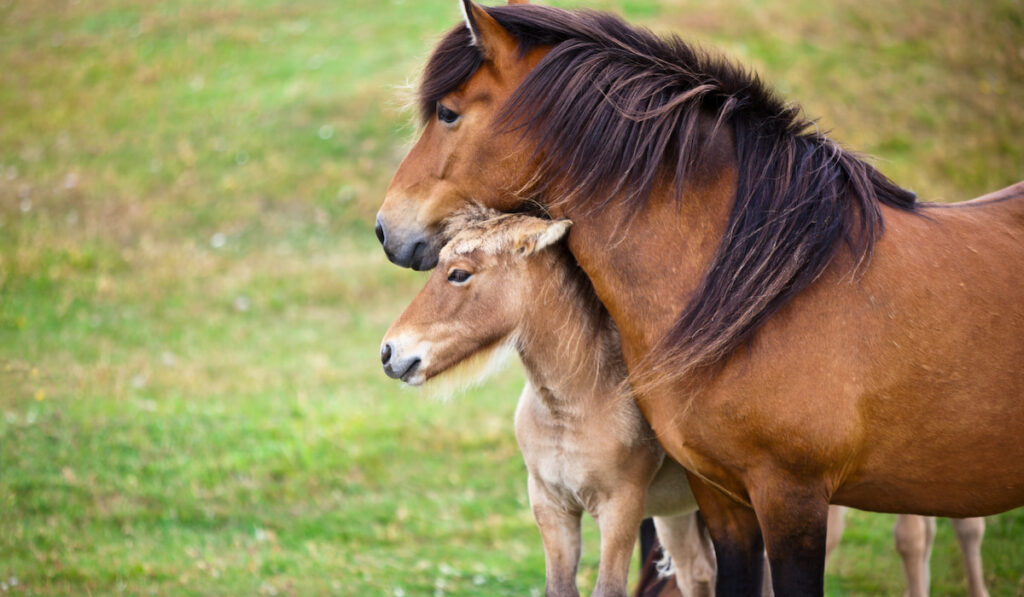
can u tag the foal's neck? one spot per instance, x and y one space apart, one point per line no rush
566 339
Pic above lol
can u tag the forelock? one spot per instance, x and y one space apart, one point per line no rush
477 228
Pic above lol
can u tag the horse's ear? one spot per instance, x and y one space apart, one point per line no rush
494 41
539 234
518 1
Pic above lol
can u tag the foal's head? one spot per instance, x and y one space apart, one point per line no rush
486 282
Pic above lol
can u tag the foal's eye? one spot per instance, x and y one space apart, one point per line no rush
458 276
447 116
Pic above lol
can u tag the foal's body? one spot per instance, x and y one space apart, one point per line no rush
584 454
585 443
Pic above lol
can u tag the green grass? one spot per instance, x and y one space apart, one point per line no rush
191 297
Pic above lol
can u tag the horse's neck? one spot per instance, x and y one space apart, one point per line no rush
569 348
645 267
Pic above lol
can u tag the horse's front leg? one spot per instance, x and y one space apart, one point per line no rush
793 517
560 531
619 520
739 550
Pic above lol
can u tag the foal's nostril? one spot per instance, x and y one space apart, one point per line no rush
385 354
379 229
413 366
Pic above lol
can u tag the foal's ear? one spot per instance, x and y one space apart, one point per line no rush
537 234
518 1
495 42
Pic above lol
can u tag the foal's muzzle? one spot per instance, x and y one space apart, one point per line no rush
397 366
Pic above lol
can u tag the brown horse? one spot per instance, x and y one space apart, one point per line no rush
571 351
508 280
800 330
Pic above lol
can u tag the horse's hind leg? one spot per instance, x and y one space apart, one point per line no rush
914 537
969 532
688 544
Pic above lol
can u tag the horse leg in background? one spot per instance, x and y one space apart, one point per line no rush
969 532
560 533
618 518
914 538
687 542
739 549
794 523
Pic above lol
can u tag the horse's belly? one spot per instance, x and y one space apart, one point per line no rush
973 466
930 499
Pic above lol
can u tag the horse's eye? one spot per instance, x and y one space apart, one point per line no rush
459 276
447 116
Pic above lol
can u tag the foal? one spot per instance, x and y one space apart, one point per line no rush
507 280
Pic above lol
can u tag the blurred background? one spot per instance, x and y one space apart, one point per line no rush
192 297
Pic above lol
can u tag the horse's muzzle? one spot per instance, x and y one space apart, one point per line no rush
406 250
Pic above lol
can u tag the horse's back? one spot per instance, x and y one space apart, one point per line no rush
999 213
1013 194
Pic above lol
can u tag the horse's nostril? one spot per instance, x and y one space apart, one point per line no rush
385 354
379 229
417 255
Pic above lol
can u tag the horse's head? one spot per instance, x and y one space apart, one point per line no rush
486 280
460 153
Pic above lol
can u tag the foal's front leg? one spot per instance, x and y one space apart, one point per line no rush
618 519
560 531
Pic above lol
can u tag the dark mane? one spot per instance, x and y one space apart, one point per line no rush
614 109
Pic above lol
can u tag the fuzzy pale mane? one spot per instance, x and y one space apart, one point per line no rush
476 227
612 109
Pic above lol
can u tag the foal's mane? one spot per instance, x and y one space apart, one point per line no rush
614 110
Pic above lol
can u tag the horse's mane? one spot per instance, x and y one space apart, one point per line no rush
614 109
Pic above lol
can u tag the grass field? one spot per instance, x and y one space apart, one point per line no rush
191 296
